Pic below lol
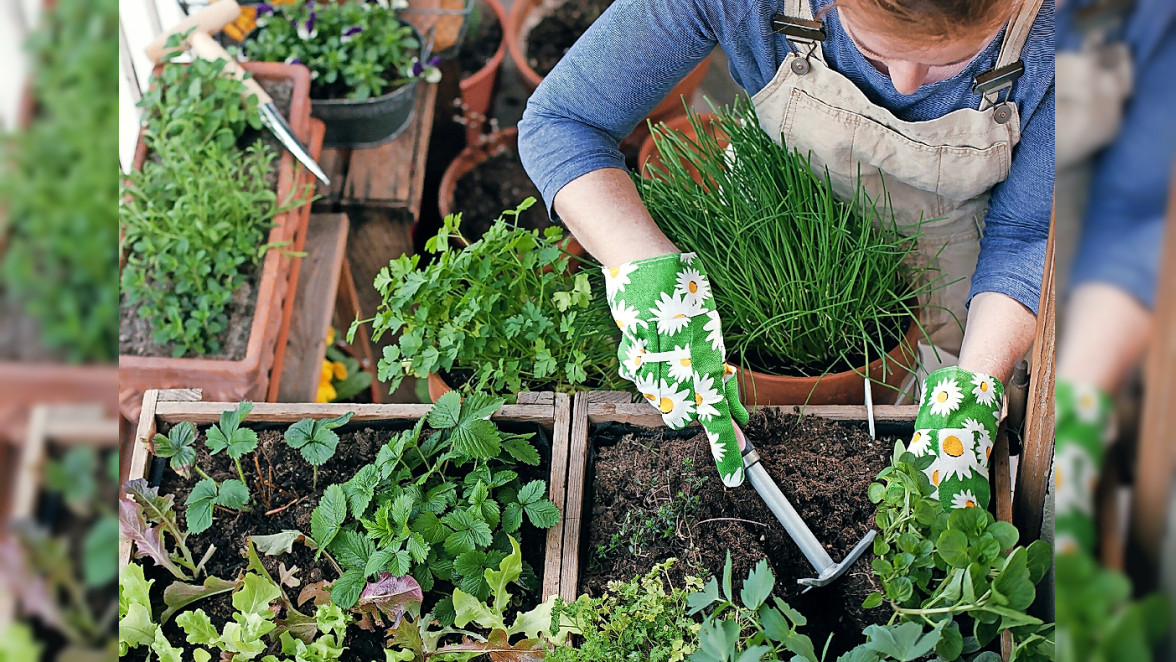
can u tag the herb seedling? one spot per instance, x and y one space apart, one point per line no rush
179 446
316 440
230 437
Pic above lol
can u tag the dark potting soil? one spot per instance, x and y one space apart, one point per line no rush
481 42
499 183
555 33
135 336
279 479
824 468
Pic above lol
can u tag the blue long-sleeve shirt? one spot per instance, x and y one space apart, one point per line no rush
639 49
1124 220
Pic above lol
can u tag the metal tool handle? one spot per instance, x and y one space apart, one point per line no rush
206 47
209 20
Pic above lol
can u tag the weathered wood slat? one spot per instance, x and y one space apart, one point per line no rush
578 446
279 412
642 414
557 491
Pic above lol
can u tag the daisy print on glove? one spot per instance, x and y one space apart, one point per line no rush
693 286
680 366
675 405
964 499
945 397
617 278
983 439
983 389
635 357
627 317
956 458
706 396
921 443
714 332
673 313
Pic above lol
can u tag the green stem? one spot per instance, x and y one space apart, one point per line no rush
201 472
240 471
314 481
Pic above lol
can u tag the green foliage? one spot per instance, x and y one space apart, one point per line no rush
527 637
633 620
935 565
505 309
230 437
438 507
803 281
241 638
144 519
316 438
660 517
749 628
197 213
18 644
75 477
377 56
206 495
357 379
58 226
179 446
1099 619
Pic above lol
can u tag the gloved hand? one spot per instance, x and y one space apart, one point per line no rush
672 349
1083 426
957 423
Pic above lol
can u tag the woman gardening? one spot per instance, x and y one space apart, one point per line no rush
944 107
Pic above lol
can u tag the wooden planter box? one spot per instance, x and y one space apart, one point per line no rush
248 378
49 427
551 411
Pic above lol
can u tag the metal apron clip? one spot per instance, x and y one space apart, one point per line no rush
995 85
799 32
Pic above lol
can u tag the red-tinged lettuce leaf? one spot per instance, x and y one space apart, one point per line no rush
499 649
148 539
319 592
391 597
31 588
179 595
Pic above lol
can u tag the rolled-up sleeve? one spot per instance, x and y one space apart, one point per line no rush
622 67
1016 228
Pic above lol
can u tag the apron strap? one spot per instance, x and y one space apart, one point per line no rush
1018 33
799 9
995 85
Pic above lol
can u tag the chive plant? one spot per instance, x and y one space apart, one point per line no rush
805 284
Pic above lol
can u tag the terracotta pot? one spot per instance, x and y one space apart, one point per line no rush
445 21
649 153
525 14
437 387
473 156
248 378
479 88
842 388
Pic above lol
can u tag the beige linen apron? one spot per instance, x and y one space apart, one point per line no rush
942 169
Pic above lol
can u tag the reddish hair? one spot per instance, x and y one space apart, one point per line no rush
934 20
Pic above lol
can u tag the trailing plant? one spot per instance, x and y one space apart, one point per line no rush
149 521
528 636
354 50
440 508
805 283
634 620
316 440
58 231
506 310
196 214
936 565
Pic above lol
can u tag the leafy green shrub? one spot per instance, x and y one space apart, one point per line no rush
354 50
634 620
804 283
197 214
936 565
440 508
56 191
506 310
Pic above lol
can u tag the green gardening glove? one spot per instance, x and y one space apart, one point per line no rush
1083 426
672 349
957 424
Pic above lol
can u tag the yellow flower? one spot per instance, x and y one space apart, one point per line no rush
340 370
326 393
330 336
327 372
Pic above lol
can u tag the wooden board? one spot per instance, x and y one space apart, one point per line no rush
347 310
390 175
1034 470
175 406
314 306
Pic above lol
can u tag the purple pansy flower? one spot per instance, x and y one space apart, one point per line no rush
264 9
349 33
418 68
307 31
293 59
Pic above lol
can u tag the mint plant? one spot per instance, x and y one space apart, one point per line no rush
507 310
316 440
354 50
197 213
439 508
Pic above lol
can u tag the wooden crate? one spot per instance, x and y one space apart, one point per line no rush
552 411
52 426
601 407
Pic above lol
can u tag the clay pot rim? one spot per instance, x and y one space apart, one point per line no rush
469 158
284 228
495 60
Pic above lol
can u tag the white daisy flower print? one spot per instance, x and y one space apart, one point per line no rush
692 285
714 331
920 443
717 450
728 372
983 439
964 499
672 314
1087 401
1065 543
635 357
956 458
627 317
688 258
617 278
648 388
706 396
1075 479
945 397
681 367
675 406
984 389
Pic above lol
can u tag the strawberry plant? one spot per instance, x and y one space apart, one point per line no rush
197 213
438 507
316 440
179 447
507 311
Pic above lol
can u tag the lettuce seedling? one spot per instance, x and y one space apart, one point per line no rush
144 518
316 440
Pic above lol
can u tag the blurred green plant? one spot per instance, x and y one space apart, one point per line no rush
58 230
506 310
